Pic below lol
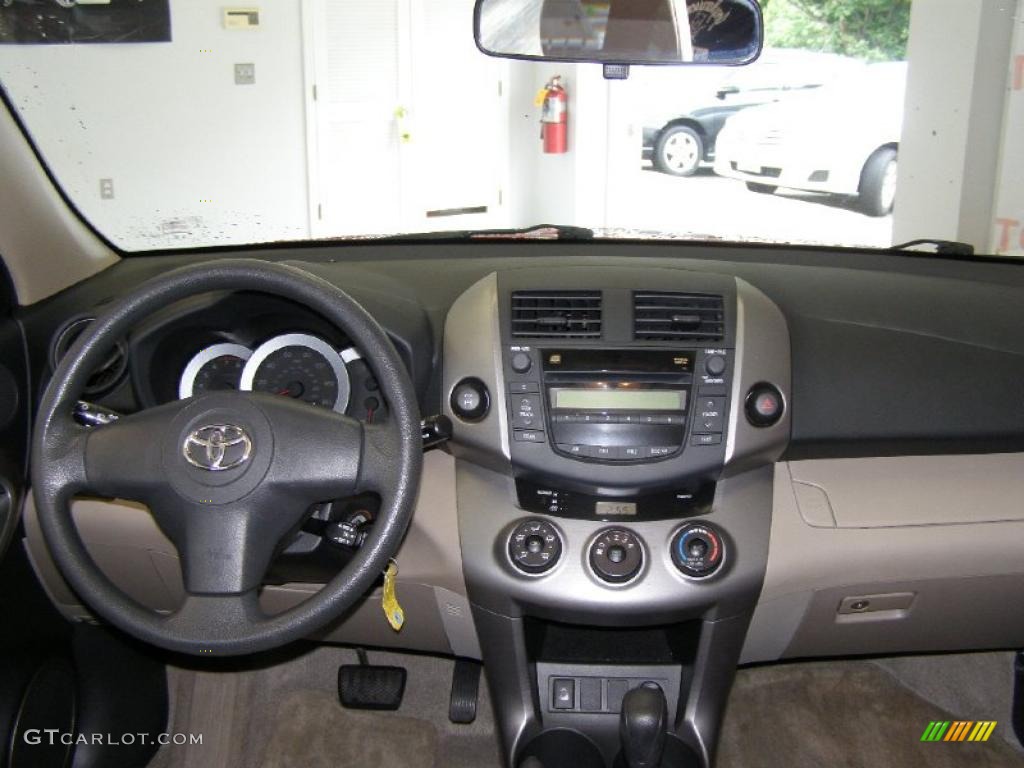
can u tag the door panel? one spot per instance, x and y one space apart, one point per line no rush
14 414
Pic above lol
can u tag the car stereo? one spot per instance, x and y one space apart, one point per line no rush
617 405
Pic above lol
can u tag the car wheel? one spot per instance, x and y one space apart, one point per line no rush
764 189
877 191
679 151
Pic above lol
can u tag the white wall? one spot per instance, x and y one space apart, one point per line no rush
953 121
196 160
1008 234
558 189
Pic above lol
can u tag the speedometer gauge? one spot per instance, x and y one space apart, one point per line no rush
302 367
214 368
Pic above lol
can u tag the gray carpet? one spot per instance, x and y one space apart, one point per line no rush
845 714
287 713
313 730
840 714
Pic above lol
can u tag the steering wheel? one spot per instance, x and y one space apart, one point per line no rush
227 475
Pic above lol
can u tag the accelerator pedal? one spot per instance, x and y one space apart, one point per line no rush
465 690
368 686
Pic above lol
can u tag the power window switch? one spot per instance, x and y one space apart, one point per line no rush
563 694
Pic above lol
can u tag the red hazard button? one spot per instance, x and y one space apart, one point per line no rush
764 405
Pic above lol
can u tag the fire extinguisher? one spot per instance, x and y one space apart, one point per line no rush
554 117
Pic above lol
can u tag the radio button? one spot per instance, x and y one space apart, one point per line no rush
573 449
715 365
521 362
635 452
706 440
710 423
658 451
710 406
528 436
526 411
604 452
523 387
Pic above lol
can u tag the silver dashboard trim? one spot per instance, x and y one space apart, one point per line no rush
187 382
331 355
737 374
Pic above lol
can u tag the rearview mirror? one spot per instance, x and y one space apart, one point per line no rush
621 31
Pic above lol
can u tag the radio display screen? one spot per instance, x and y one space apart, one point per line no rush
620 399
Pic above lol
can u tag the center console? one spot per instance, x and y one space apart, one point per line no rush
615 431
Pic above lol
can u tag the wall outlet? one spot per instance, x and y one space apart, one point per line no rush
106 189
245 74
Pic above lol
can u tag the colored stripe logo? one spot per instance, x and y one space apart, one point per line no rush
958 730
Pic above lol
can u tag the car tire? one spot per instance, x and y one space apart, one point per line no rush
877 190
678 151
763 189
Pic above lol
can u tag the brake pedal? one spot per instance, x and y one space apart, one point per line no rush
465 691
368 686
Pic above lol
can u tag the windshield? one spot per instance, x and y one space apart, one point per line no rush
175 124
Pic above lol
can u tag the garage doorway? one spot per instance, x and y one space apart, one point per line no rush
385 82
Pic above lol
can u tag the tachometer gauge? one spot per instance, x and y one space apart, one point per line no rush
300 366
215 368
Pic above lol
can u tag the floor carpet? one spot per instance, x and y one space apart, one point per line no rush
844 714
284 712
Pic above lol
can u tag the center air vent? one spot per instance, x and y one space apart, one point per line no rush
556 314
664 316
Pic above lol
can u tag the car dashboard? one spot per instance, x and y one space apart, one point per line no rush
664 460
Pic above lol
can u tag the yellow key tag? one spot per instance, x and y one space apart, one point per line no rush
392 610
538 100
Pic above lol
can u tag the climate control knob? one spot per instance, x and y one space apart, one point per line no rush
698 550
534 546
616 555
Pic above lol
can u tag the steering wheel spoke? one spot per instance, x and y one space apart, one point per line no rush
381 444
216 617
224 549
123 459
317 452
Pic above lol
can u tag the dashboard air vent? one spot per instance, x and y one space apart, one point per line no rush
109 373
556 314
665 316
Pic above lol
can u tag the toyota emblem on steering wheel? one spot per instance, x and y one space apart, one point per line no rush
217 447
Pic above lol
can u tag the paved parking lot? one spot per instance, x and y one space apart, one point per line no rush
712 206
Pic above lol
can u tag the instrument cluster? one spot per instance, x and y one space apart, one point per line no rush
296 365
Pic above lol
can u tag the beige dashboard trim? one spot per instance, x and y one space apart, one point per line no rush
963 568
130 549
45 246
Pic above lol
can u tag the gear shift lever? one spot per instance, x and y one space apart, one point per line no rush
643 725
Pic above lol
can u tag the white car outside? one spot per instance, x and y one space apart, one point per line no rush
841 139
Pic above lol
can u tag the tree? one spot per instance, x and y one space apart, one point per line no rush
875 30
